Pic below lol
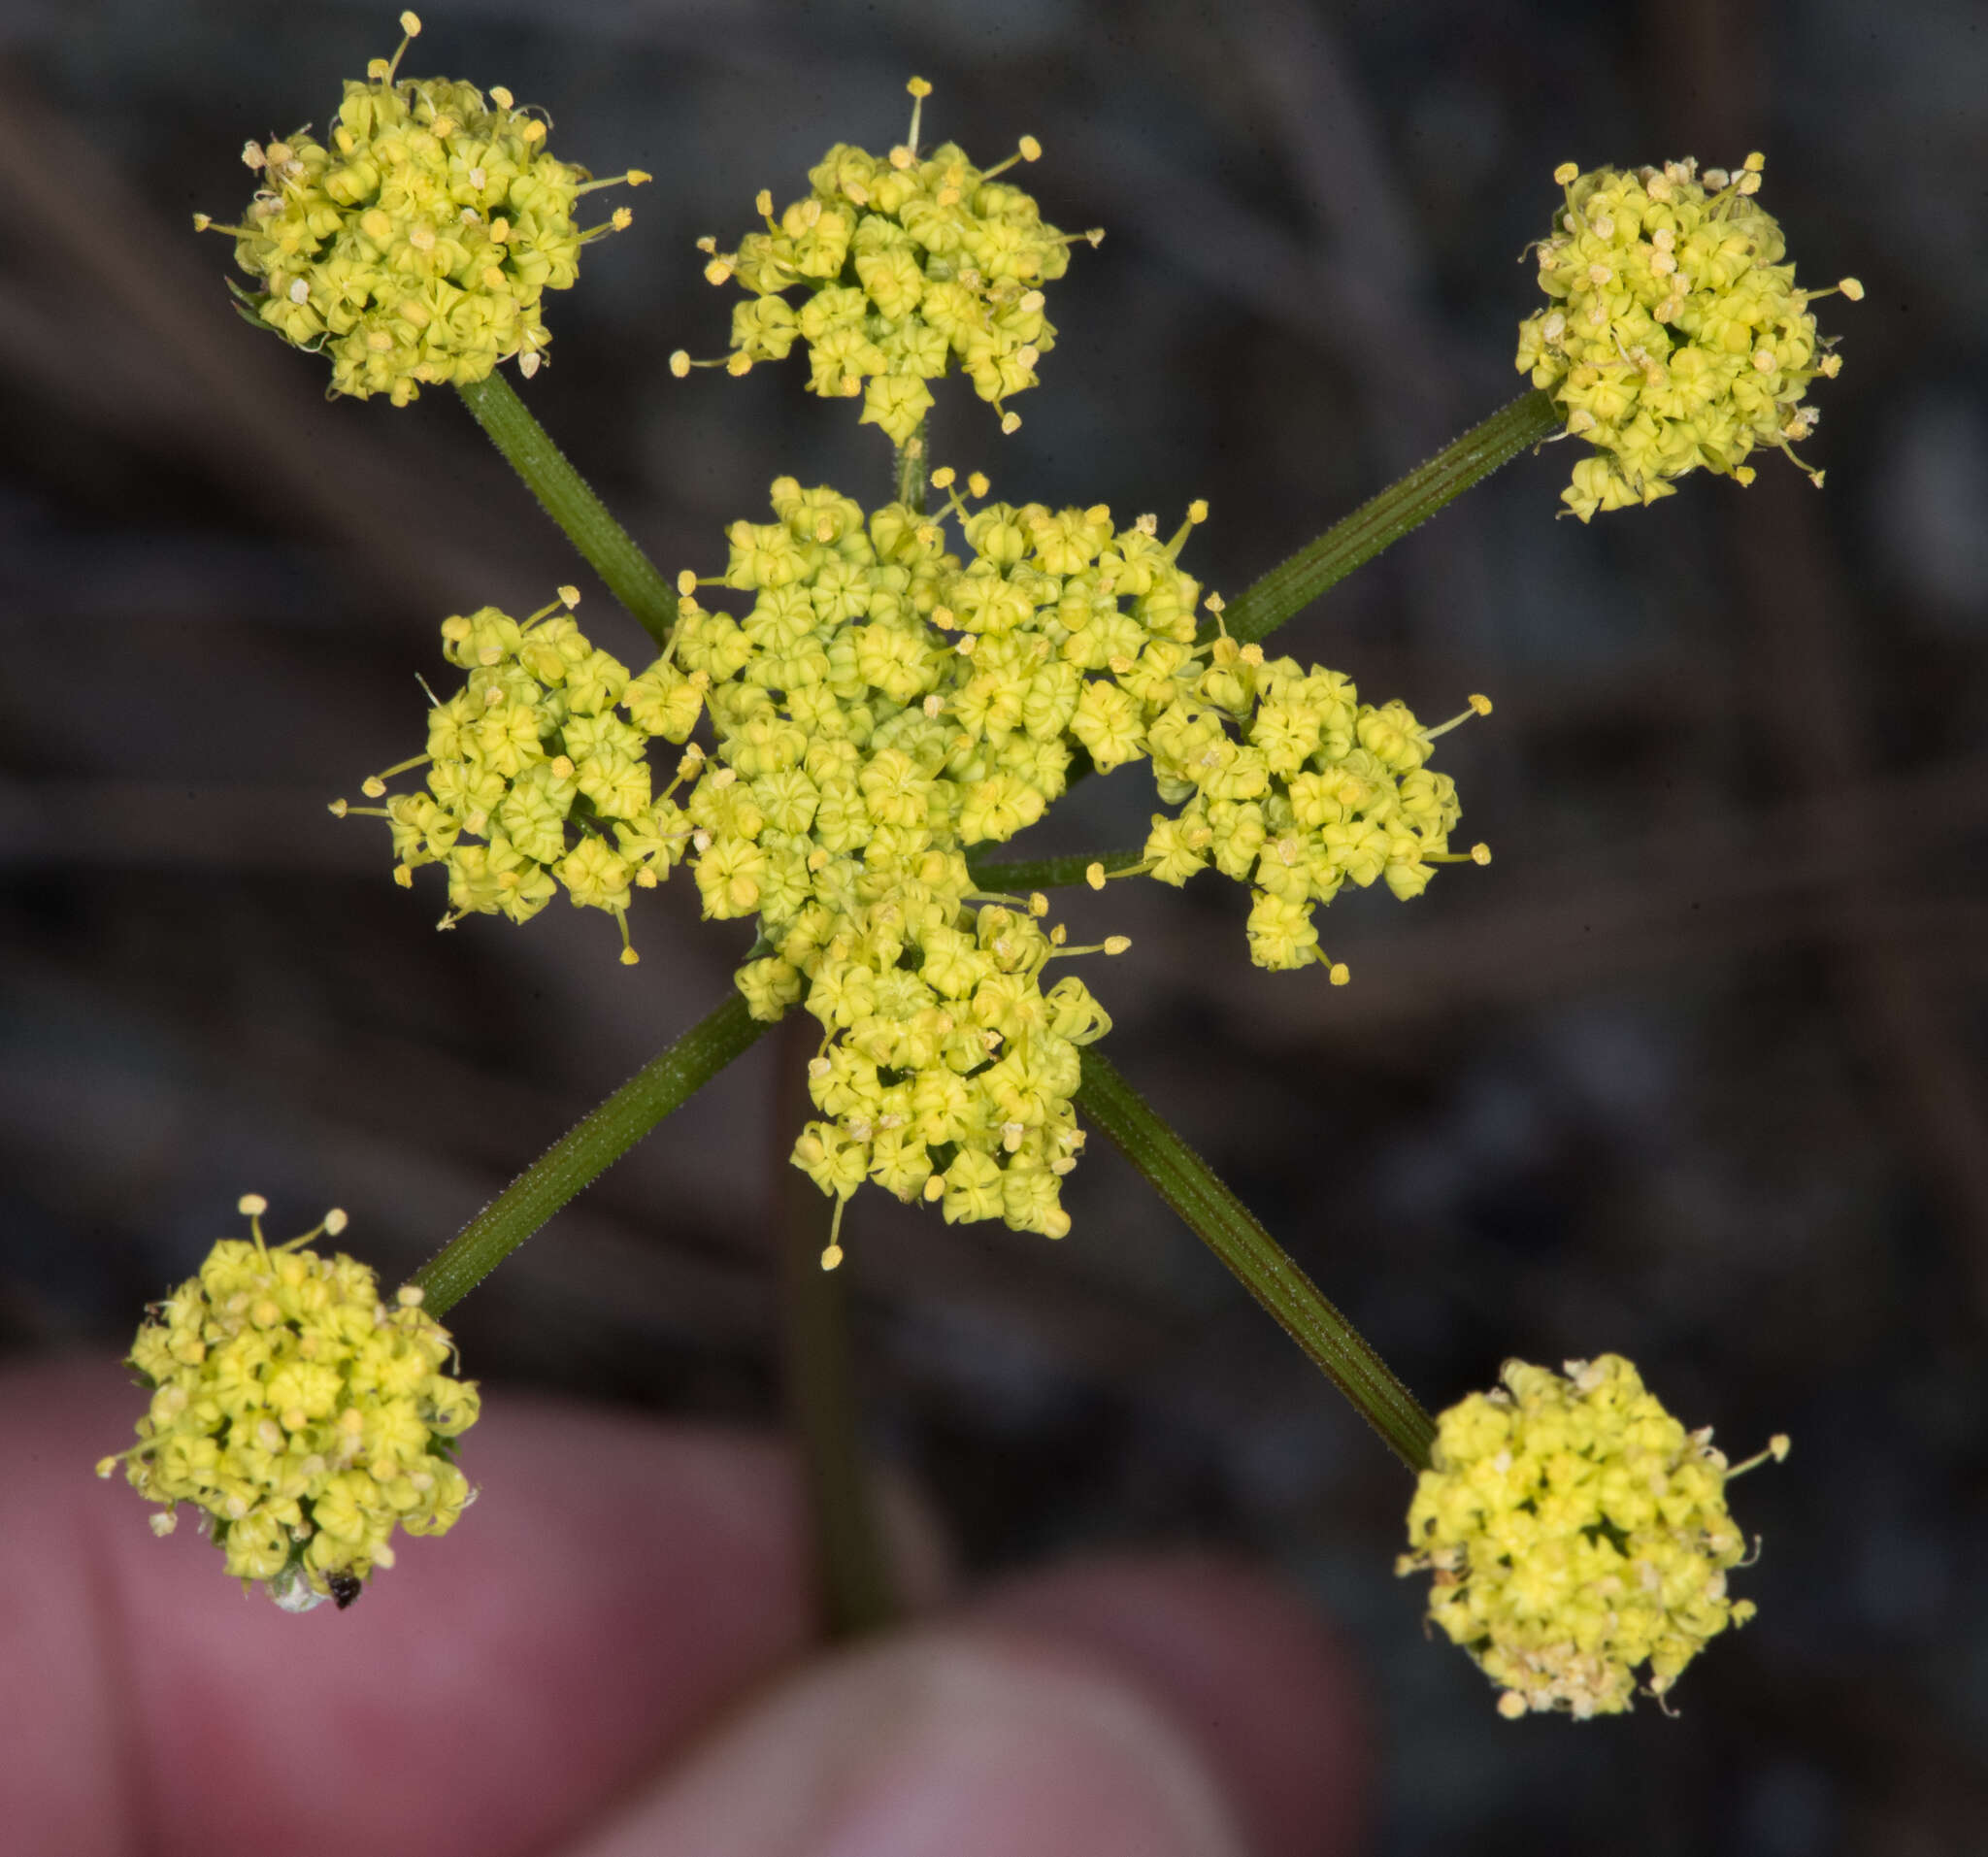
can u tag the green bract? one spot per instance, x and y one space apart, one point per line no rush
1676 338
1577 1533
415 250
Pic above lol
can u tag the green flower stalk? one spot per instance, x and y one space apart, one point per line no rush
415 250
302 1414
1577 1534
909 264
1677 339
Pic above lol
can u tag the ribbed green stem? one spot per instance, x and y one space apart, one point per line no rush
1259 1262
589 1147
608 547
1292 586
1045 873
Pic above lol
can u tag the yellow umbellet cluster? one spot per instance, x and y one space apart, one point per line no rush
1578 1534
538 772
885 707
1676 338
415 250
911 263
304 1416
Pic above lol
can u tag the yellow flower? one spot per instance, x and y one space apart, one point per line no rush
1577 1534
301 1414
1676 338
914 262
416 249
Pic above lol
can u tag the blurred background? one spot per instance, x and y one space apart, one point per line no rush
1693 1071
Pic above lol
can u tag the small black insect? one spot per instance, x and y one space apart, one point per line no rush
345 1588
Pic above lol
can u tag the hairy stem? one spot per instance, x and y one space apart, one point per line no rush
608 547
1258 1261
588 1148
1376 524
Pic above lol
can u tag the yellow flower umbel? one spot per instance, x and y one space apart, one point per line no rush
304 1416
416 249
1577 1533
909 264
538 772
884 710
1676 338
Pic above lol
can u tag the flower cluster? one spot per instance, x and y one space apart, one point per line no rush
1575 1532
304 1416
1292 784
415 250
908 263
538 772
1677 336
886 706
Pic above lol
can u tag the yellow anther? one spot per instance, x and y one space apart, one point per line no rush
1094 874
1567 173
